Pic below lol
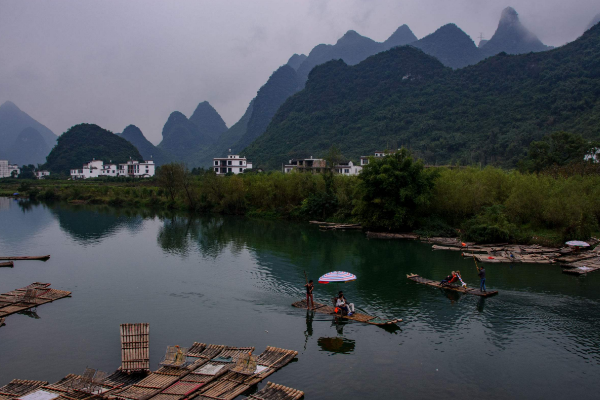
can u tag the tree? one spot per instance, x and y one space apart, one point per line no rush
557 149
169 177
393 188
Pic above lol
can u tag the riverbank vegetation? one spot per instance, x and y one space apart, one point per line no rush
395 193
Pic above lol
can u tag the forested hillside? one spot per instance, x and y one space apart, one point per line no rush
84 142
486 113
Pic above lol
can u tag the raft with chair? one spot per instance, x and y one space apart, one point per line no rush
27 258
429 282
359 317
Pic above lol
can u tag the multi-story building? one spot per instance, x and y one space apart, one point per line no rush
41 174
312 165
13 170
130 169
364 160
8 170
232 163
348 169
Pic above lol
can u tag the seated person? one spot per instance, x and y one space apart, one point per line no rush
343 304
449 279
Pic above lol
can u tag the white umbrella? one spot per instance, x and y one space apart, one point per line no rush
577 243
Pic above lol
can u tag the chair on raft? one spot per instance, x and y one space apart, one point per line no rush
175 356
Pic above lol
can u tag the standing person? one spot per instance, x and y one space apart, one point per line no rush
309 294
482 277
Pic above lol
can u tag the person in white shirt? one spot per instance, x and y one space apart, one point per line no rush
343 304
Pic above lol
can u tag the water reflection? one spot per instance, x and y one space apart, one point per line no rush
336 345
30 313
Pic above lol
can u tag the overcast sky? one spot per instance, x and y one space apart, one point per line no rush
121 62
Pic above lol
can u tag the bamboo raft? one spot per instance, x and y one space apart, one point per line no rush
429 282
2 321
29 297
359 317
383 235
9 264
274 391
40 258
582 267
135 347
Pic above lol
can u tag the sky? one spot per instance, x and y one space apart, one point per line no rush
121 62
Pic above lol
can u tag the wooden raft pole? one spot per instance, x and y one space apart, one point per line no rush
9 264
40 258
429 282
359 317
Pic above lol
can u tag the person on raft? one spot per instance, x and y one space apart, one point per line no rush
309 294
449 279
482 277
343 304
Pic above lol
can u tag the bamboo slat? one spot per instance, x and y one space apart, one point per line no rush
273 391
21 387
135 347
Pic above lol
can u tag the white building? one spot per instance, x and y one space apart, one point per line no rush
232 163
9 170
593 155
135 169
364 160
348 169
4 169
13 170
130 169
41 174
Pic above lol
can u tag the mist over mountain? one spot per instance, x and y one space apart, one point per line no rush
208 120
84 142
28 148
134 135
486 113
281 85
15 146
512 37
449 44
594 21
296 60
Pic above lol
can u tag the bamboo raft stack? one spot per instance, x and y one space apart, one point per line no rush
429 282
359 317
274 391
384 235
29 297
585 263
135 347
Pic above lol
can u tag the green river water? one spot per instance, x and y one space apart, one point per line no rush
229 280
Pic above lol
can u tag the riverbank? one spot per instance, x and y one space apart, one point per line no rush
482 205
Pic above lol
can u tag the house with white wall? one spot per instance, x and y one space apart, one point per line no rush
41 174
232 163
364 160
136 169
348 169
130 169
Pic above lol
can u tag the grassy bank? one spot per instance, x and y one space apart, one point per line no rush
487 204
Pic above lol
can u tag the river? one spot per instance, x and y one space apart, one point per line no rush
231 280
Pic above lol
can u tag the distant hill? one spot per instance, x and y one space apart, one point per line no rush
28 148
512 37
296 60
402 36
182 138
449 44
84 142
208 120
281 85
594 21
486 113
13 122
134 135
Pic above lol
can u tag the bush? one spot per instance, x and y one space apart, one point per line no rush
491 226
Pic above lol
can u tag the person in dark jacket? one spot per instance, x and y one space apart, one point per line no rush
482 277
449 279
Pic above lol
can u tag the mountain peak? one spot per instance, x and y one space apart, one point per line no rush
9 105
402 36
208 120
351 37
594 21
509 16
296 60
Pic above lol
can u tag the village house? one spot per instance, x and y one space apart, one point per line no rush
347 168
312 165
233 163
130 169
364 160
9 170
41 174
